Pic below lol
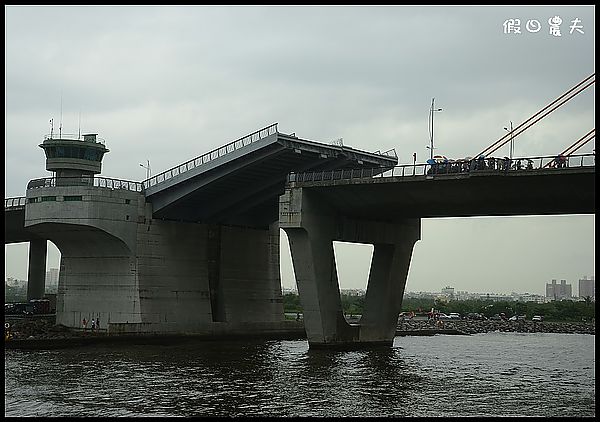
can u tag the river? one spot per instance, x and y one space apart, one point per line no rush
492 374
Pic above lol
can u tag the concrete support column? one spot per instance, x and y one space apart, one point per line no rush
311 226
387 280
215 286
36 274
316 276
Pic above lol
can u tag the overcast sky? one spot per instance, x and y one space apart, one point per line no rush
167 84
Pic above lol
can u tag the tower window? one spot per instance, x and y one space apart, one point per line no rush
73 198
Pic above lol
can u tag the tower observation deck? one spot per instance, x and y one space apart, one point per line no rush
74 158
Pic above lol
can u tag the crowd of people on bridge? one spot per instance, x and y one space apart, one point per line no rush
444 166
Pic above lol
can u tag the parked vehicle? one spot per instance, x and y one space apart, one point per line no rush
33 307
454 315
475 316
517 318
537 318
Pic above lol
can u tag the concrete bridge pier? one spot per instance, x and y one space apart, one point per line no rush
312 226
387 280
36 273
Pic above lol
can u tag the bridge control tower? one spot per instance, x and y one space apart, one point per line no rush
73 159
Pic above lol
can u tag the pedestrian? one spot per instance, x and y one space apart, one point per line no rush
93 324
98 323
84 322
529 164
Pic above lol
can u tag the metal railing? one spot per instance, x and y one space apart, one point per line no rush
17 202
97 182
478 166
389 153
211 155
69 137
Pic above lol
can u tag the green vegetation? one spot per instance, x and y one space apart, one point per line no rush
291 303
565 310
14 294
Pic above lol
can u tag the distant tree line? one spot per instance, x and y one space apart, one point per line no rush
14 293
565 310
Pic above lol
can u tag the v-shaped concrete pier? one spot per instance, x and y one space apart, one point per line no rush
312 227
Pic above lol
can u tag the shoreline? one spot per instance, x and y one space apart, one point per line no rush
478 327
40 334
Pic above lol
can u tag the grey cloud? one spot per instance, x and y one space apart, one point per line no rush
170 83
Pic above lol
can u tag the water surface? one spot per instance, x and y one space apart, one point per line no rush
492 374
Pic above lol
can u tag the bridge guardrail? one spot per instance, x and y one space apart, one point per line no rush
16 202
98 182
69 137
389 153
211 155
492 164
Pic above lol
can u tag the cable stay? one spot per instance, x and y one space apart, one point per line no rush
579 143
574 147
581 86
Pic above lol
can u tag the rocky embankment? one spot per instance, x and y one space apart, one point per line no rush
42 329
45 328
473 327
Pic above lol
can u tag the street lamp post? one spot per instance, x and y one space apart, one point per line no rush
432 110
512 145
147 169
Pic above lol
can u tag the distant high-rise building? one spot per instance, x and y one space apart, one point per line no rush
52 277
587 287
448 291
558 291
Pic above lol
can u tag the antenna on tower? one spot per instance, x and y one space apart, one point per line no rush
51 128
79 133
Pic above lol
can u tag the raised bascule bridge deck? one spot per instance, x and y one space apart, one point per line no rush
240 183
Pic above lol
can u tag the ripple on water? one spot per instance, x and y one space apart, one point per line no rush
495 374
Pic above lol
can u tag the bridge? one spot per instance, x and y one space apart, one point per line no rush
408 191
386 209
192 249
195 249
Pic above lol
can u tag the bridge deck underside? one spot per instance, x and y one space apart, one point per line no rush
245 191
14 227
555 192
